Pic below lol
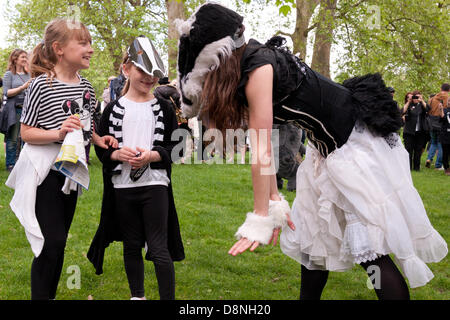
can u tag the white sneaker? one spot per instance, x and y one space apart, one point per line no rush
440 168
137 298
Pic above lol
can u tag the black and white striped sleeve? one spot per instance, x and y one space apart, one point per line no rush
31 105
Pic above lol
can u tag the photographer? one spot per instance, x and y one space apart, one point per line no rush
416 129
436 102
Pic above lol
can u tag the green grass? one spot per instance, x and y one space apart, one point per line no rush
211 201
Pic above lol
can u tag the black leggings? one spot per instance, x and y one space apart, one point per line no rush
445 154
142 214
392 285
54 213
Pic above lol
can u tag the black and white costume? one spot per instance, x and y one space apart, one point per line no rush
355 197
138 207
157 174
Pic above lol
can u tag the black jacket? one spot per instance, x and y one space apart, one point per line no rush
413 113
8 115
445 132
108 229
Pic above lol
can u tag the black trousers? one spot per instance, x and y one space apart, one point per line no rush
142 214
54 213
414 144
445 155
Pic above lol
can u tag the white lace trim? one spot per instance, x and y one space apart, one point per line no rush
356 246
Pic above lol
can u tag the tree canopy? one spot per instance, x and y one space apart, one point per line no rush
405 40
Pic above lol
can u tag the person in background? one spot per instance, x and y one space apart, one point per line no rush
436 102
391 91
116 85
445 136
107 92
415 131
15 81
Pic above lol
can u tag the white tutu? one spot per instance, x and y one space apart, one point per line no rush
360 203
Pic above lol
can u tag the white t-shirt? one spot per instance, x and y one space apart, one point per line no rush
138 128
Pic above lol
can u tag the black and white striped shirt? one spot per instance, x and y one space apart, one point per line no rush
49 103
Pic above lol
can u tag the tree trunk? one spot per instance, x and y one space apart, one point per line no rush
175 10
305 9
324 36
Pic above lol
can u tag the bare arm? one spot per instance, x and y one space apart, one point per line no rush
33 135
405 107
259 96
16 91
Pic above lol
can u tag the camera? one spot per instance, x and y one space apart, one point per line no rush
415 97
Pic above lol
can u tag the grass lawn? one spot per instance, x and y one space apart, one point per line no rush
211 201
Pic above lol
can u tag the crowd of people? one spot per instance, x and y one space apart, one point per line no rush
348 208
426 128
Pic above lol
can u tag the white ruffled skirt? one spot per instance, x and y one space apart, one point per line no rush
360 203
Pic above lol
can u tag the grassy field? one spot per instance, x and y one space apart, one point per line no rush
211 201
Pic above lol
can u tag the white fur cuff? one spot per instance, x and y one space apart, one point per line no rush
278 210
256 228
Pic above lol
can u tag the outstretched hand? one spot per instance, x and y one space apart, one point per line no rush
244 244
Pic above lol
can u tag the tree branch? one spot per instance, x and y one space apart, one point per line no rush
412 20
283 33
305 33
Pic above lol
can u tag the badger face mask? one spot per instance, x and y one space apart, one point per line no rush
144 56
211 33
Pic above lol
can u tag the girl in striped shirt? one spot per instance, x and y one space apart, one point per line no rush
56 94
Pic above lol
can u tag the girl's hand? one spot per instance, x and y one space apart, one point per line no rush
70 124
106 141
124 154
144 157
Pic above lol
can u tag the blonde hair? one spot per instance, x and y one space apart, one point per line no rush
12 61
61 30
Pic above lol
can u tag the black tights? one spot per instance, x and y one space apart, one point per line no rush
143 214
54 212
392 285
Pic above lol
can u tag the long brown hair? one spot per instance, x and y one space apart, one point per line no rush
406 96
62 30
125 61
220 103
12 61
